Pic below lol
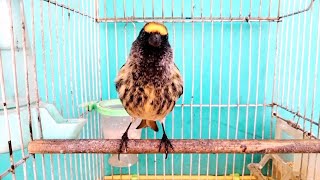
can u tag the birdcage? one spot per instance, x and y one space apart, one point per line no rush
250 107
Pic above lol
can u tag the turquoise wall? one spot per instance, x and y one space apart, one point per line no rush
211 65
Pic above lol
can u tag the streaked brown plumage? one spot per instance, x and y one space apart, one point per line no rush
149 83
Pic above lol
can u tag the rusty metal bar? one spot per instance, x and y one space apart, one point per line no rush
180 146
297 114
18 163
188 19
205 19
298 12
181 19
69 8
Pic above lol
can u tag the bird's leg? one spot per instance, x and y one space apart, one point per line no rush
124 141
165 141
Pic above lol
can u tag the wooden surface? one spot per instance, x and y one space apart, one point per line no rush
180 146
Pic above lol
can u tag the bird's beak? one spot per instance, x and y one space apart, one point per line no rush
155 40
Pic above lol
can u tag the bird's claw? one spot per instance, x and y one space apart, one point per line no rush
124 141
166 143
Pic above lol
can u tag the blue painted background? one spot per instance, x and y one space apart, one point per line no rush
265 44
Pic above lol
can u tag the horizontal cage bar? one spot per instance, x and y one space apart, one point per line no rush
183 19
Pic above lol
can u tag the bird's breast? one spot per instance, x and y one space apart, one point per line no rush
147 102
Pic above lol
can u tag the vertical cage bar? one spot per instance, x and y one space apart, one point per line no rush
43 51
290 58
257 81
238 86
183 95
86 83
192 85
35 72
71 157
306 105
302 62
162 12
108 76
5 110
275 66
51 54
91 83
65 166
279 7
59 78
296 62
172 116
81 59
201 77
70 52
229 88
152 8
163 155
266 79
279 63
249 86
15 84
107 54
124 8
33 49
285 55
257 86
51 167
134 8
95 63
308 71
59 166
281 42
24 40
143 8
75 89
65 65
116 34
155 159
315 84
301 75
220 86
27 86
63 39
316 69
134 36
58 56
210 95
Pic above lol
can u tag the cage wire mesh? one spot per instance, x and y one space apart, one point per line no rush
247 65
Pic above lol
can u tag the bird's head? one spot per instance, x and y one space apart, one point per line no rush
154 34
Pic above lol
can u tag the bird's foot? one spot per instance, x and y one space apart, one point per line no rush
166 143
123 142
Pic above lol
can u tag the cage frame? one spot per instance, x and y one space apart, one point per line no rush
63 148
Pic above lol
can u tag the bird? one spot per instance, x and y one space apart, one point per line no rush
149 83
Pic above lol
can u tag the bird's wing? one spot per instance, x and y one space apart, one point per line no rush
178 79
119 78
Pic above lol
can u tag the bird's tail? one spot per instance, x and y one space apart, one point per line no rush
148 123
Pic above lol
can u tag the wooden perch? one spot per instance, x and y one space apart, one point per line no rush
180 146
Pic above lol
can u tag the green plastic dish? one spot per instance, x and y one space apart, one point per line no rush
112 107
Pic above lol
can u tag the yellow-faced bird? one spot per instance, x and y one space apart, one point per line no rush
149 83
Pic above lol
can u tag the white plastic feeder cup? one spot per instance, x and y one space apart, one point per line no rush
115 120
